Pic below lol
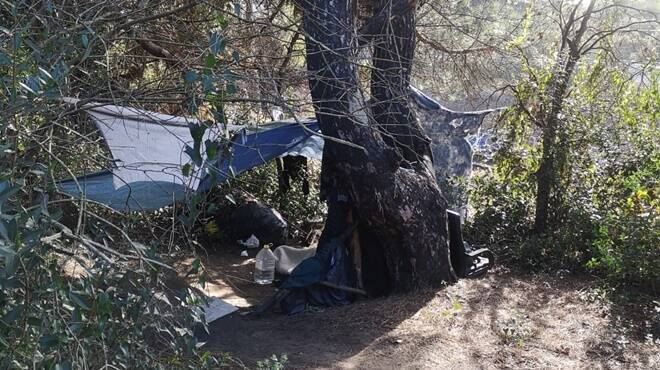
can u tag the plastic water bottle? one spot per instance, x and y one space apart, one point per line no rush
264 267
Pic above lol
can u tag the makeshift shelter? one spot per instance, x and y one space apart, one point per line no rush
150 150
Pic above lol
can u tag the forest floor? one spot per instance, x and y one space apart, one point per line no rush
503 320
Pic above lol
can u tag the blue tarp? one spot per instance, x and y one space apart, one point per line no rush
137 195
252 149
150 150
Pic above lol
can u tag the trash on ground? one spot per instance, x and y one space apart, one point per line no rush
264 266
251 242
217 308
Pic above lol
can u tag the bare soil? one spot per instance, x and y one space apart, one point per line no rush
503 320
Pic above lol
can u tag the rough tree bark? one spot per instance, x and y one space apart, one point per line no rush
394 49
401 204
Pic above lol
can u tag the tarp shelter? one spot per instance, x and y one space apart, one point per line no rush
149 151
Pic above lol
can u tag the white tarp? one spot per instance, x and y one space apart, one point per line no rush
148 150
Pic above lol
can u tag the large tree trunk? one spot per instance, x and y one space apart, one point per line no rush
394 49
401 205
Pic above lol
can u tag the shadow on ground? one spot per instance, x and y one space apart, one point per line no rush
504 320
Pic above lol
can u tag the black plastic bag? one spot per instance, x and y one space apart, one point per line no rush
256 219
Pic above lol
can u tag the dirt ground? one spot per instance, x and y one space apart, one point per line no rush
503 320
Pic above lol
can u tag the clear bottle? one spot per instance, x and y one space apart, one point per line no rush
264 266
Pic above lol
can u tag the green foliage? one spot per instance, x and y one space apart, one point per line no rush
108 315
84 298
627 238
607 220
272 363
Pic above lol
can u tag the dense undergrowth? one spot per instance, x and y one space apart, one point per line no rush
606 215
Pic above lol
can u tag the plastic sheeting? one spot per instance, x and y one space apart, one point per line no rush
110 189
150 149
251 149
453 138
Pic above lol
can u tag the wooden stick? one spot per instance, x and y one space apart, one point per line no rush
344 288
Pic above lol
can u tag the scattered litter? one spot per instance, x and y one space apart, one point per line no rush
264 266
250 243
217 308
244 253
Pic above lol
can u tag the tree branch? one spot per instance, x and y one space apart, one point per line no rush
152 17
439 47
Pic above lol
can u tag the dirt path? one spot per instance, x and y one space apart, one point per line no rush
501 321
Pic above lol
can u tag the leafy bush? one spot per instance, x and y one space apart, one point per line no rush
115 313
607 220
627 238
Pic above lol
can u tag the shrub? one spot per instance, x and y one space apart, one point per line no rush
116 312
607 221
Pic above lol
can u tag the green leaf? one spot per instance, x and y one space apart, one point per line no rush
6 252
12 315
210 61
124 350
185 171
4 233
211 150
194 268
221 20
193 154
4 59
47 341
78 300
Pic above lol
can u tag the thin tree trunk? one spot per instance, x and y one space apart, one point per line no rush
547 176
555 154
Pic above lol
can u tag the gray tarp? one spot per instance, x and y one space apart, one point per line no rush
148 150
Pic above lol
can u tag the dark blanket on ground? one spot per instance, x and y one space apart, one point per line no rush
330 264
